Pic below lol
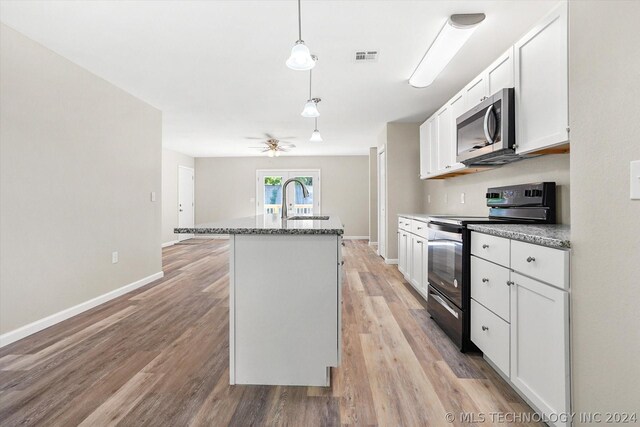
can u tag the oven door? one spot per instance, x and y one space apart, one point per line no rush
445 260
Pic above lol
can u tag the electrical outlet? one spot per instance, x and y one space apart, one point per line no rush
114 257
462 198
429 198
153 196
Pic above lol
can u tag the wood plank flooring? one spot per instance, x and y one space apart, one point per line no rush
159 356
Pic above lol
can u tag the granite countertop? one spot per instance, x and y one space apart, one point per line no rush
267 224
419 217
551 235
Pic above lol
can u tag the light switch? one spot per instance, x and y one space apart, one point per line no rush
461 197
428 198
635 180
114 257
153 196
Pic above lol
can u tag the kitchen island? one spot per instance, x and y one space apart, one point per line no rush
284 298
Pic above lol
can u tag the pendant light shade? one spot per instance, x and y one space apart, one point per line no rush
315 136
311 109
300 59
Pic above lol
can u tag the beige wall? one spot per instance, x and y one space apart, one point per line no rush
445 193
373 195
604 88
226 187
405 191
170 162
79 159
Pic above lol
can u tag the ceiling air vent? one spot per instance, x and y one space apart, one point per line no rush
367 56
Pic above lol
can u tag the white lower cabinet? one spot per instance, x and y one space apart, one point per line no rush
413 254
520 318
491 334
540 344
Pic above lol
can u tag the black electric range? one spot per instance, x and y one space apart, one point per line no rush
449 247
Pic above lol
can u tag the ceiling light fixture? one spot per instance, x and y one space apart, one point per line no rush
315 136
453 35
311 106
300 59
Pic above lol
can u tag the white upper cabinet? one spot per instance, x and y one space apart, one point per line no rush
541 83
433 146
443 119
425 150
475 92
500 74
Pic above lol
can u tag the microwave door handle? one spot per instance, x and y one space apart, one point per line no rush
486 125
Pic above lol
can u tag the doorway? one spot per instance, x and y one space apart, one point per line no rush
186 204
269 192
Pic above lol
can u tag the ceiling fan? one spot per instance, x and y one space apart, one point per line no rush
273 146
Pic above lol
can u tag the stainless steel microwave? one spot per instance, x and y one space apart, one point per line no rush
486 134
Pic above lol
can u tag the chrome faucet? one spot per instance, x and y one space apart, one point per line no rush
305 193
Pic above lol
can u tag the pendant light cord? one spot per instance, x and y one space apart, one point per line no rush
316 124
299 22
310 74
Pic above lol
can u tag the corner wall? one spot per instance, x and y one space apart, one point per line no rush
604 88
79 158
373 195
170 162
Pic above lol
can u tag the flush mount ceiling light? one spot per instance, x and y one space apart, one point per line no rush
315 136
453 35
300 59
311 106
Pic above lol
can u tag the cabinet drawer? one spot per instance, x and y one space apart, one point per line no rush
492 248
489 286
404 224
491 334
545 264
419 228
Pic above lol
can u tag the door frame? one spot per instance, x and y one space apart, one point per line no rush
317 191
193 201
382 224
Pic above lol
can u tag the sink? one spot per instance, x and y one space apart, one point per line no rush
311 217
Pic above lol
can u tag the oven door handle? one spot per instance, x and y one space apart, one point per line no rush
444 304
450 229
486 125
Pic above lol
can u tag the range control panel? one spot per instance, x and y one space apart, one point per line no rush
524 195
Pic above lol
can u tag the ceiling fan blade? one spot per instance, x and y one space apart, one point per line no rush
261 148
268 135
287 145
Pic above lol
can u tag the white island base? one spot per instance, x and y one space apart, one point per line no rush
284 308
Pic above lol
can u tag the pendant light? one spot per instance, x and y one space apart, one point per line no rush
311 106
300 59
315 136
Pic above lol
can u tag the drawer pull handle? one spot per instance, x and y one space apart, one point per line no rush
419 228
485 328
531 259
485 246
419 241
485 280
509 283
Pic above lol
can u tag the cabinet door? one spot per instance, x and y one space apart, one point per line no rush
425 148
417 262
475 92
458 108
541 84
433 144
401 253
444 139
500 74
406 247
540 343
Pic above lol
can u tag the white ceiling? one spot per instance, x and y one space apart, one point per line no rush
217 69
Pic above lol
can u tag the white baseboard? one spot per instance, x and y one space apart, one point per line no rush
355 237
373 243
391 261
171 243
58 317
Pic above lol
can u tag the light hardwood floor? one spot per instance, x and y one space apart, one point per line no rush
159 356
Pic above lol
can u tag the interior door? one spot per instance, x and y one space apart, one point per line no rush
269 192
382 204
186 204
